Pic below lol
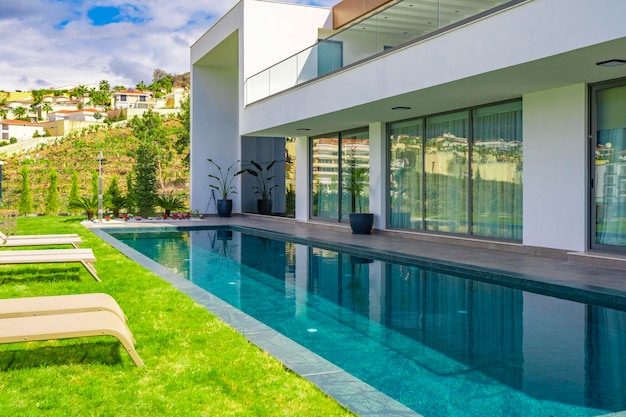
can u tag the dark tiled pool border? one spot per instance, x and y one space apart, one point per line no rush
349 391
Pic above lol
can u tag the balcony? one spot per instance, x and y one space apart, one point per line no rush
402 23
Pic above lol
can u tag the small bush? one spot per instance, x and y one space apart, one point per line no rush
13 140
3 143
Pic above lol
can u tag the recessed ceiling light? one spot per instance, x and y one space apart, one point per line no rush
611 63
401 108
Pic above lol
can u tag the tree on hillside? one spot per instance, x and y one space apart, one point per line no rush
100 98
79 92
182 80
151 136
74 187
94 183
144 187
183 134
150 128
104 85
130 193
52 196
26 199
113 198
141 86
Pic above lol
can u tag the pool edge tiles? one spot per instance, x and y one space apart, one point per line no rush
349 391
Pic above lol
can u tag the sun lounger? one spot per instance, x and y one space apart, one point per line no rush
59 304
67 326
84 256
40 240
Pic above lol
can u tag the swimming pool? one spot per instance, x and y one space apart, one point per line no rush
437 341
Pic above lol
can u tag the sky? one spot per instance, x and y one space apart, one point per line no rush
52 43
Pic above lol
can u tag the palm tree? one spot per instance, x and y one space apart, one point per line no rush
19 112
169 203
3 112
47 107
87 204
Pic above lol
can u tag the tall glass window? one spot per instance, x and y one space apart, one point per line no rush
430 161
340 164
497 171
446 171
355 159
405 174
325 177
610 165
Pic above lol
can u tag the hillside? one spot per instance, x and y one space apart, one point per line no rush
80 151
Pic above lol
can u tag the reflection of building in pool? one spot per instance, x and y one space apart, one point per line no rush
326 160
454 327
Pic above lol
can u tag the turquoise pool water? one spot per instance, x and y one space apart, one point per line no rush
442 343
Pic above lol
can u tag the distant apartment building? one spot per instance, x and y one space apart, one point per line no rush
132 99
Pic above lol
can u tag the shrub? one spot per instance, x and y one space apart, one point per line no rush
13 139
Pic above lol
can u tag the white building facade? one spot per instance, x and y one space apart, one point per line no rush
498 121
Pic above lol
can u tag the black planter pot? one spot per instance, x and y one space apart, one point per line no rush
264 206
361 223
224 208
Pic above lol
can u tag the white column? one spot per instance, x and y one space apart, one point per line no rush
378 187
302 178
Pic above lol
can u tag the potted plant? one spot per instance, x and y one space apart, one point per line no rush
263 185
223 184
355 183
87 204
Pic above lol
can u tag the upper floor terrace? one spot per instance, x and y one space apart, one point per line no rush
389 26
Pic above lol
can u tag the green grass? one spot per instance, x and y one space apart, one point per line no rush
196 365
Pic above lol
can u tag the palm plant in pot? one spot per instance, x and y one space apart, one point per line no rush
264 186
355 183
223 184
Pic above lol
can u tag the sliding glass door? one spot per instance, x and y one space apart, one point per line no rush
459 172
446 171
609 166
340 166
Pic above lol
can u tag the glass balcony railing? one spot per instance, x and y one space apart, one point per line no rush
401 23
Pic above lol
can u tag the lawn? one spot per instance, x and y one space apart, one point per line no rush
195 364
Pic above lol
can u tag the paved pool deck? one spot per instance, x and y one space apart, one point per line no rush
585 277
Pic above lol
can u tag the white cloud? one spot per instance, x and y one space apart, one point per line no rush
48 43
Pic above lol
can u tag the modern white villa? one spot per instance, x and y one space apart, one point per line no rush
474 120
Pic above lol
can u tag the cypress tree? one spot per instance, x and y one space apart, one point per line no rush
52 196
26 199
73 190
94 183
130 195
144 185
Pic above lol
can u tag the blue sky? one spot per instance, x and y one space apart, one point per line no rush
50 43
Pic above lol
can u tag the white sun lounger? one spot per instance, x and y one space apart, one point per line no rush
67 326
84 256
59 304
40 240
